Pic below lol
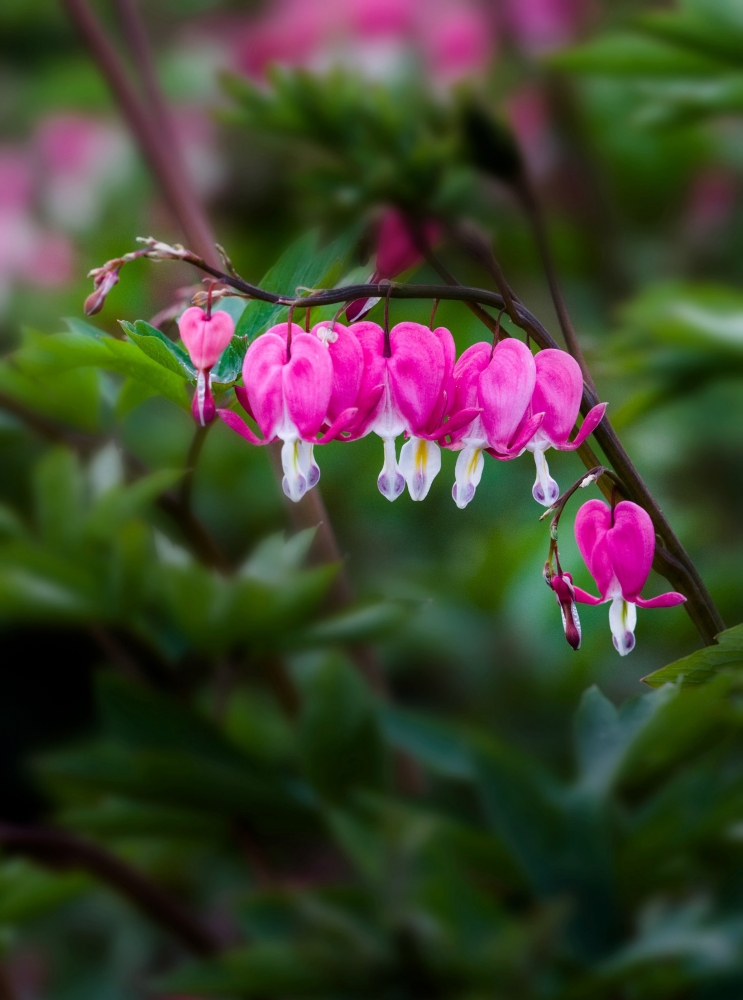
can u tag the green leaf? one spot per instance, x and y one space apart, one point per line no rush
303 264
28 892
230 365
438 744
67 351
122 818
160 348
267 969
604 735
709 317
717 38
131 395
59 498
366 624
633 55
73 397
184 780
704 664
340 742
121 503
141 718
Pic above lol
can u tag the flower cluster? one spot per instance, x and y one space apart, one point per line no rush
344 382
335 382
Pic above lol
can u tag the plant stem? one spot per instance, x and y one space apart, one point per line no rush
59 849
533 210
192 459
164 162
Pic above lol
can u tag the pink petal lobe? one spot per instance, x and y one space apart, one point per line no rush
307 384
631 546
242 397
592 522
341 422
239 426
445 401
668 600
347 359
416 371
557 393
583 597
505 390
591 421
205 339
262 377
371 338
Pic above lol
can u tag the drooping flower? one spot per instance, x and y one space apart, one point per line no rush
396 252
557 394
618 547
564 591
407 387
500 383
205 337
288 385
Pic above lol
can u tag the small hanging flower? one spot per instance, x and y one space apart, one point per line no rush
500 383
618 547
407 388
288 384
562 585
205 337
557 394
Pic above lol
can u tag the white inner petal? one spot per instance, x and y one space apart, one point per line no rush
420 463
293 458
622 620
390 482
545 489
467 474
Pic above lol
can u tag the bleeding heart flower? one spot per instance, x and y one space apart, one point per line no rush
396 252
500 383
557 394
205 337
618 547
288 384
407 388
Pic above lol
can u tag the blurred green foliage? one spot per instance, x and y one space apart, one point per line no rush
499 827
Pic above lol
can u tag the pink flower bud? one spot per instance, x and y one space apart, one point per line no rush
205 337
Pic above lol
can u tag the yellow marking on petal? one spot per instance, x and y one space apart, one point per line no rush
473 463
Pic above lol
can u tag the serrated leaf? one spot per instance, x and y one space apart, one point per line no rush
704 664
230 365
160 348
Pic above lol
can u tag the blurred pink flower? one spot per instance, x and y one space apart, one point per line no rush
541 25
197 135
453 38
28 252
82 159
712 198
530 119
15 179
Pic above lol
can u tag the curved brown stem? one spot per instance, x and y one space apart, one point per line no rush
61 850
